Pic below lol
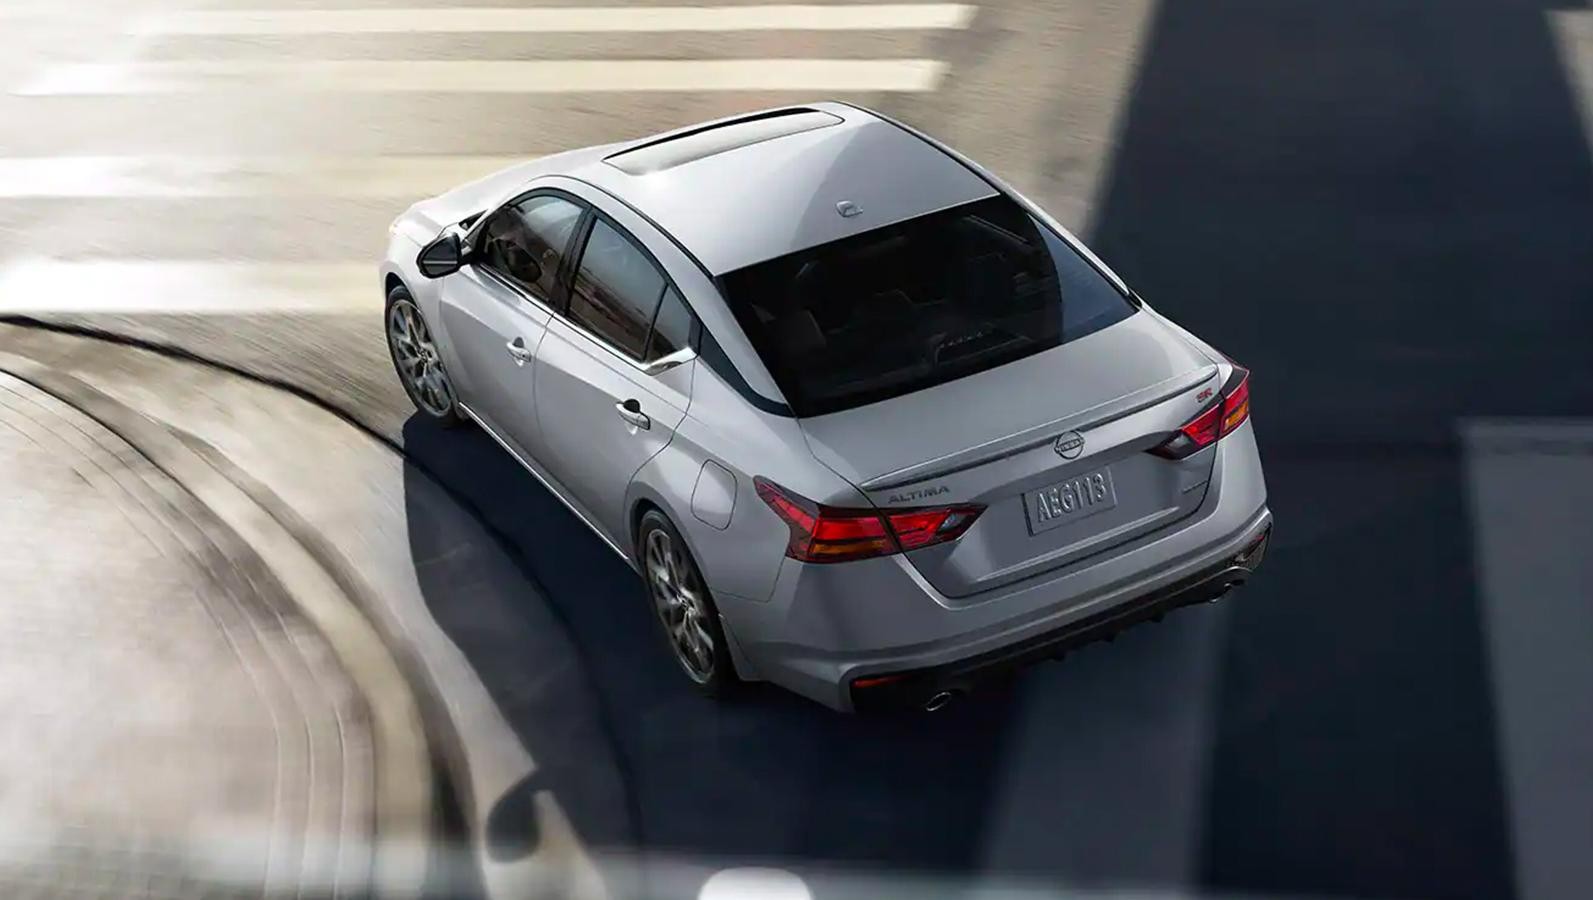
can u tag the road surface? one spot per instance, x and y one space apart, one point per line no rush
1385 209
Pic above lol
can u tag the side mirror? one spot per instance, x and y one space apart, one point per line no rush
442 256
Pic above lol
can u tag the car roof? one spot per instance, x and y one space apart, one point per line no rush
750 188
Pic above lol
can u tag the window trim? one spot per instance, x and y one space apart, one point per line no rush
692 334
559 305
473 239
663 363
707 346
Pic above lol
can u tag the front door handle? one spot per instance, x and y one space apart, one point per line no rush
631 411
520 352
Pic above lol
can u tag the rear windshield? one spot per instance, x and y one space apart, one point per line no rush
918 303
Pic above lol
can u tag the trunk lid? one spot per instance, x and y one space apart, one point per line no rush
993 438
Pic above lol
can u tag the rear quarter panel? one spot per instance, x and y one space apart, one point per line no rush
741 559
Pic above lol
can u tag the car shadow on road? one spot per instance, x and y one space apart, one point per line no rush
1386 210
767 776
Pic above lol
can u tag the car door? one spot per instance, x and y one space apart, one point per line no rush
496 308
613 374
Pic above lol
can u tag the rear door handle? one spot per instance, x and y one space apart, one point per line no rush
631 411
520 352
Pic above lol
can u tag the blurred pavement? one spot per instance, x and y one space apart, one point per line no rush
172 727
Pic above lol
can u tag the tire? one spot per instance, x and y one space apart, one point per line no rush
690 627
415 360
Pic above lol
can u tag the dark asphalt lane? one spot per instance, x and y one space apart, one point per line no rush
1386 209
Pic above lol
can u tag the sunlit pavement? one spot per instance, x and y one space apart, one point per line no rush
1384 209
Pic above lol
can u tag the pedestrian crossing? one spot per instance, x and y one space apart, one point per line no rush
134 286
1573 33
216 158
1531 481
586 20
565 76
175 176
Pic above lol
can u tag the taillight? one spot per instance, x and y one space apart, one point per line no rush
833 534
1236 403
1220 418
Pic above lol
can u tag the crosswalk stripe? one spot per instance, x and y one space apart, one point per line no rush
243 176
1531 492
1573 33
797 17
41 286
496 76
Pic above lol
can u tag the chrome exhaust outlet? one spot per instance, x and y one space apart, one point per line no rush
938 701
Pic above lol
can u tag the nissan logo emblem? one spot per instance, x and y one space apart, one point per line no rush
1069 445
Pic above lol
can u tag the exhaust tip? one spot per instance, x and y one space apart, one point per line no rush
937 701
1225 589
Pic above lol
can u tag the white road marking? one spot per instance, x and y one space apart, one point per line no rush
247 176
1573 34
754 884
454 76
166 286
1531 486
775 17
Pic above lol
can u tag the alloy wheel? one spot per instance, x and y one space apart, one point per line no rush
677 593
419 364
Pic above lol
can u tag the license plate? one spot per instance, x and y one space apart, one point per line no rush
1069 501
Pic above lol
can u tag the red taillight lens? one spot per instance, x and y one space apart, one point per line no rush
922 527
831 534
1217 420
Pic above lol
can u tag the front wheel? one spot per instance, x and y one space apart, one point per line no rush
684 606
419 365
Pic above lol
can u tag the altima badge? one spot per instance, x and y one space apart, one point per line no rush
1069 445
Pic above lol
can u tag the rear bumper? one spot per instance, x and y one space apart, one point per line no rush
932 687
824 628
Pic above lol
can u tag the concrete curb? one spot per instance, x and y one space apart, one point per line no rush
404 784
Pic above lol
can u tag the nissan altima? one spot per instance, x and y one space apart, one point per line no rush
869 423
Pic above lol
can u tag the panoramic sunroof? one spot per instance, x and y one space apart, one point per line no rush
693 145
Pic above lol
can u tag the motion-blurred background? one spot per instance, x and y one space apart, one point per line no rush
1383 207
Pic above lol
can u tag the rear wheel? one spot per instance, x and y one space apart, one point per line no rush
419 365
684 607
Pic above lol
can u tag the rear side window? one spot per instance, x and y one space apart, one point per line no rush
671 328
916 304
616 290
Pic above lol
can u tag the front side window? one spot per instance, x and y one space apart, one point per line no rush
526 241
616 290
915 304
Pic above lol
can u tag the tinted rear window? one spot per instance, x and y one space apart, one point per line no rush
916 304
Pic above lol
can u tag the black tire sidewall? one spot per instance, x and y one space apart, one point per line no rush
724 678
446 420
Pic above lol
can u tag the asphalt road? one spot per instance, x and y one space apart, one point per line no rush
1385 209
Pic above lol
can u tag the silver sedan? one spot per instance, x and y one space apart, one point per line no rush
869 423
